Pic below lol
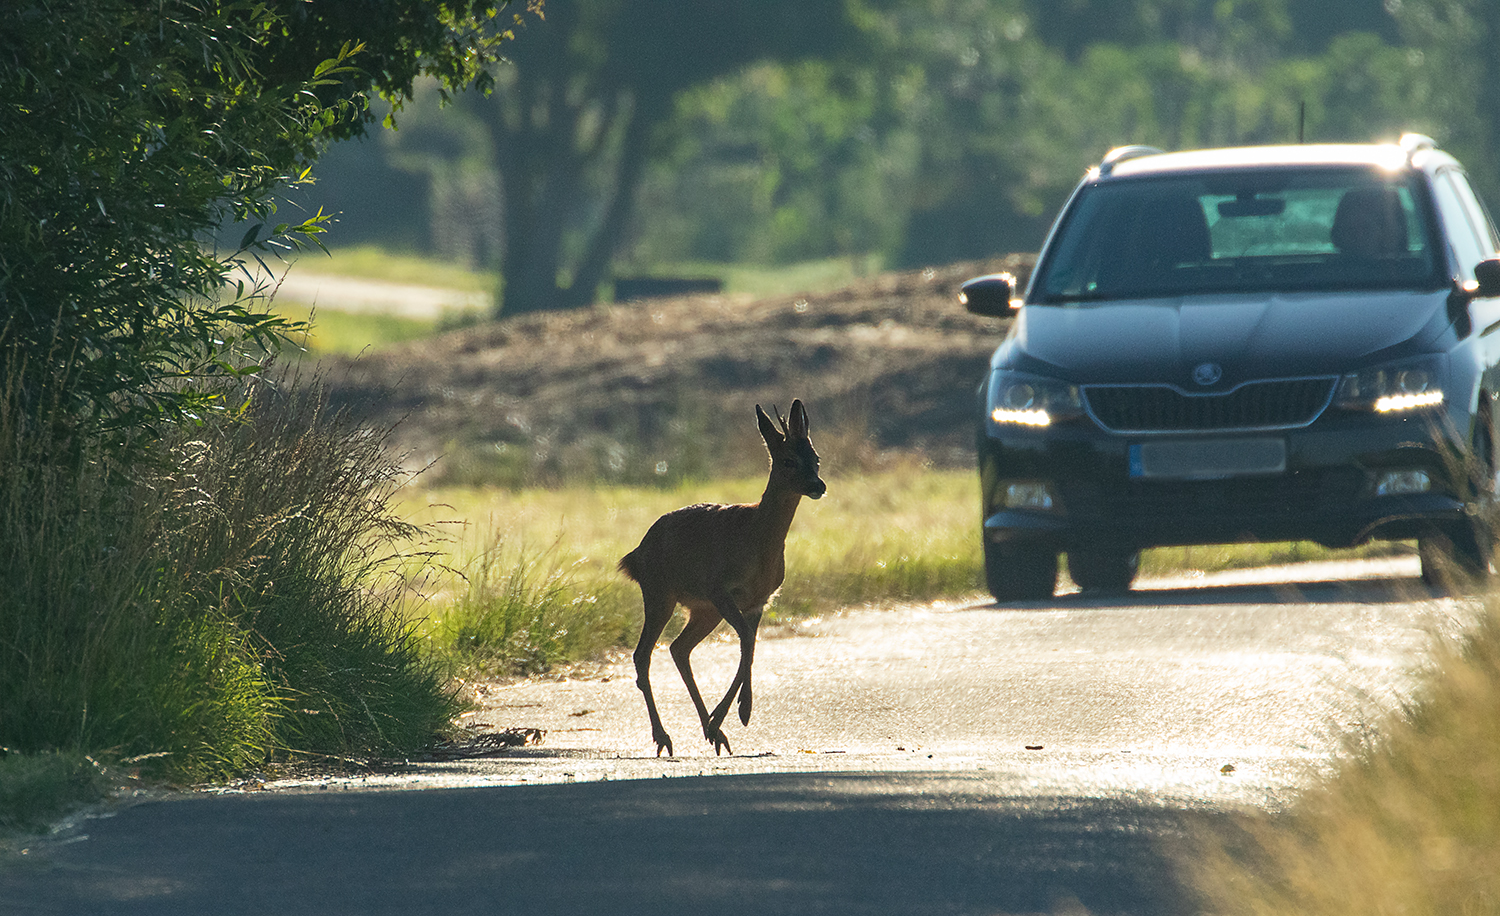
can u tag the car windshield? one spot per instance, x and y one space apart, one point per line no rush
1283 230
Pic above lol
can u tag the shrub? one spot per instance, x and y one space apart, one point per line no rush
220 598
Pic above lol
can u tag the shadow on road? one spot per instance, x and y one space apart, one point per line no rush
1393 590
801 843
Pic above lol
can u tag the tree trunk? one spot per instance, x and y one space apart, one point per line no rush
648 112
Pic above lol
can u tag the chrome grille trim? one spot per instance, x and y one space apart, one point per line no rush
1260 405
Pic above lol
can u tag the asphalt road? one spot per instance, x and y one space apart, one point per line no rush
951 758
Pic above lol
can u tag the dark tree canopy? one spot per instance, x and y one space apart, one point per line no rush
130 132
574 120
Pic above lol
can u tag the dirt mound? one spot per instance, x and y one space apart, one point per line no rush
889 364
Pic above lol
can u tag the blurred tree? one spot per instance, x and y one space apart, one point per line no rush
1456 50
955 131
576 115
1011 121
777 163
130 132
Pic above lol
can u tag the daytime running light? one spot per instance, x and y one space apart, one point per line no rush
1021 417
1398 402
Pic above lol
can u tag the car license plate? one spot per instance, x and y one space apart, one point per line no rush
1207 459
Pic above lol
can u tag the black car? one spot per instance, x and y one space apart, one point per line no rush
1258 344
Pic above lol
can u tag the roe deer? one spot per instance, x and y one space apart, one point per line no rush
721 563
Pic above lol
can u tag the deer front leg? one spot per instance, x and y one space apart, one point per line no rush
746 656
745 625
700 623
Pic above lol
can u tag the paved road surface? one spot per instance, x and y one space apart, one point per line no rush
953 758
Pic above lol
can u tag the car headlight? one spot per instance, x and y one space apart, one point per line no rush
1020 399
1394 387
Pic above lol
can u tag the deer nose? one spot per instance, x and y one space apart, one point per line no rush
817 489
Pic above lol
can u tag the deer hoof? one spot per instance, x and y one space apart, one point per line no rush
664 743
720 742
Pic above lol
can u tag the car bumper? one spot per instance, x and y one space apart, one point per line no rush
1081 487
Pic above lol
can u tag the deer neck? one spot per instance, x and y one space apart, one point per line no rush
775 511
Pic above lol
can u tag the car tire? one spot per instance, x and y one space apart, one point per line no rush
1465 548
1109 570
1457 552
1020 572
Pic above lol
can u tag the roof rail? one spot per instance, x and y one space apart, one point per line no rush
1411 144
1121 153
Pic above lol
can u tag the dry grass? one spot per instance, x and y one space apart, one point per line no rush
897 534
1410 824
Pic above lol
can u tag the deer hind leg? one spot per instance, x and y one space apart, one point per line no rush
658 612
701 622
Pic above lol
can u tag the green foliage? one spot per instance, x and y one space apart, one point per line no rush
931 131
130 133
773 165
575 119
520 612
214 602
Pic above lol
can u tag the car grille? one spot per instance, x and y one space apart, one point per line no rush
1275 404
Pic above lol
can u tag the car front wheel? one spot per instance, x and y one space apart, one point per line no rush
1459 551
1020 572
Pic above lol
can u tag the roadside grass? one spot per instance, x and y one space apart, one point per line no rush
1409 823
336 332
371 262
895 535
525 578
221 601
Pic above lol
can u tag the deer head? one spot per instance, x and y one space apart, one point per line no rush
794 462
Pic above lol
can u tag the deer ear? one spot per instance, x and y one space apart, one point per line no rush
798 420
768 429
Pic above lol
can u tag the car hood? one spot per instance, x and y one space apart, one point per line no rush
1247 337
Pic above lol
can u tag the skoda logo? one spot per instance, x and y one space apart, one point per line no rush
1207 373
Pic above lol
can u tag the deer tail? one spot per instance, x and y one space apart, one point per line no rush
628 566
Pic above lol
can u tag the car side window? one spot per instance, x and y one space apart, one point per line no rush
1470 243
1484 227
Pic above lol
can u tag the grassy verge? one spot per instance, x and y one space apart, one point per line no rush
887 536
528 578
775 279
369 262
351 333
1409 824
339 332
215 603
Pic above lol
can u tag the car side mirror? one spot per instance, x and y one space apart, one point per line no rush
1487 278
989 295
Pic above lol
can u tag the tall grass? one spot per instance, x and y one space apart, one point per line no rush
883 535
210 602
1410 824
